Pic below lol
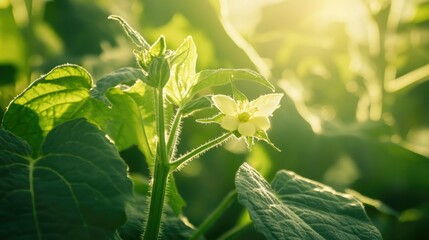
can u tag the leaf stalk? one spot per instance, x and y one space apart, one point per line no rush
199 150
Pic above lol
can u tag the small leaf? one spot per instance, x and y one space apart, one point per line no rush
219 77
159 47
127 76
294 207
183 63
175 201
76 188
196 105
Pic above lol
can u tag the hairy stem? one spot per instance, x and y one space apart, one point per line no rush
160 178
215 215
199 150
174 132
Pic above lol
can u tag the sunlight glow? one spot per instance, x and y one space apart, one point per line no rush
295 91
4 4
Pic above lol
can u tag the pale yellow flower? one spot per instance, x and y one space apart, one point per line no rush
247 117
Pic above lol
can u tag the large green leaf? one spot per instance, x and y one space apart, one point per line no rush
76 188
66 93
293 207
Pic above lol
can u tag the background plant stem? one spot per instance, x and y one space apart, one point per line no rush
215 215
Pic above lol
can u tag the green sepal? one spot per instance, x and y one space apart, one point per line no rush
262 135
159 47
144 57
249 142
159 72
214 119
237 94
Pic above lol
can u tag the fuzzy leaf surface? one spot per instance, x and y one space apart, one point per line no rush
294 207
76 188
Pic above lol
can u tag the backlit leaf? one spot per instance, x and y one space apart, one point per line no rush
67 93
219 77
183 64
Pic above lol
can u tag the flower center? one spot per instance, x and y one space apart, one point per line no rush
243 117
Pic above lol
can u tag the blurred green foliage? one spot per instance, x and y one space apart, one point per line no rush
355 73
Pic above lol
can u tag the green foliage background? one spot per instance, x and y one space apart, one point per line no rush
355 73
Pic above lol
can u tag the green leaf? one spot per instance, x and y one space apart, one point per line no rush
159 47
293 207
122 120
175 201
219 77
183 63
126 76
196 105
144 97
64 94
47 102
76 188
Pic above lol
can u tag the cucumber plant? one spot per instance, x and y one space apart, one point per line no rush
61 175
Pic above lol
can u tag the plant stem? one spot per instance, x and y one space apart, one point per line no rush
160 178
172 138
236 231
215 215
199 150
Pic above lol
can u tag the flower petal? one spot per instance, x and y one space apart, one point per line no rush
261 123
225 104
265 105
246 129
229 123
